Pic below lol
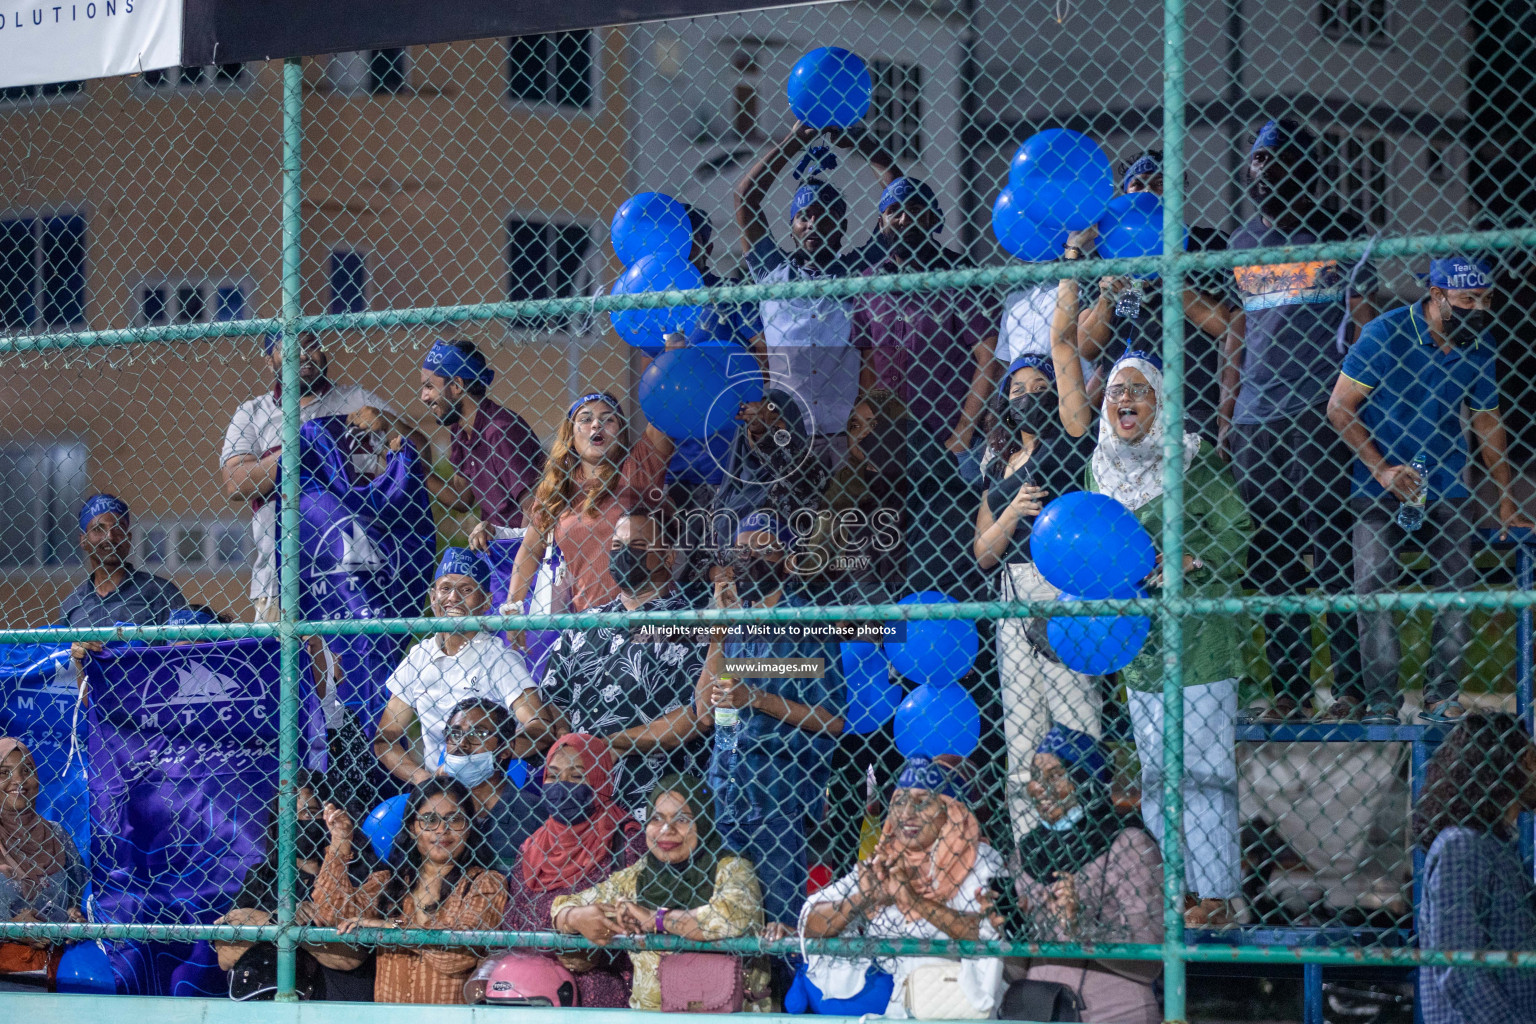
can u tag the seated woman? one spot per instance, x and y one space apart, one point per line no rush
585 838
41 874
687 885
435 883
927 879
1087 874
347 970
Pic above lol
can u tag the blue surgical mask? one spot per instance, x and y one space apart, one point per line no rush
470 769
1067 821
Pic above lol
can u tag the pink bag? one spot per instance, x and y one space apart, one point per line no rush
701 983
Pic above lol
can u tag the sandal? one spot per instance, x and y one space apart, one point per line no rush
1443 712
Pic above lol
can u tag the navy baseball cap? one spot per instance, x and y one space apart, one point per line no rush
1284 135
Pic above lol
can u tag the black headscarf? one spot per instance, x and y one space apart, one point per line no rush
1045 853
691 883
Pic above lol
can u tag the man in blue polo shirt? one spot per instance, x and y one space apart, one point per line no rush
1399 396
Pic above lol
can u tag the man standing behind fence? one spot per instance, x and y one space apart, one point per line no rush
1398 400
254 441
1282 355
495 455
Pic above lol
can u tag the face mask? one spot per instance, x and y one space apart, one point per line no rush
1067 821
1032 413
1276 192
756 579
569 803
629 570
471 769
310 840
1464 326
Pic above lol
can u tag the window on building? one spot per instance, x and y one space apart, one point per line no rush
212 76
191 545
349 282
388 71
1437 165
191 299
896 107
556 68
42 271
1357 171
42 486
545 261
17 93
1355 21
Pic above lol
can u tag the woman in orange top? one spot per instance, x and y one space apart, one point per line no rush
593 476
434 884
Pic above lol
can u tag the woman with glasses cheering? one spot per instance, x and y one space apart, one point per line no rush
1127 465
688 884
434 883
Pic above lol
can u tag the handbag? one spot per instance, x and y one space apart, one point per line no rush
804 996
701 983
934 993
1027 999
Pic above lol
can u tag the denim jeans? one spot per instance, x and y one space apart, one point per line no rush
776 848
1447 538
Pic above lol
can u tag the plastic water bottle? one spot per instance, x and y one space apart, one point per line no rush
1410 515
727 721
1128 305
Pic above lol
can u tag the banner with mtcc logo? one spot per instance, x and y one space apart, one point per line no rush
47 43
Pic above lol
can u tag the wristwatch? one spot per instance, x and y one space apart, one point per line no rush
1072 252
661 920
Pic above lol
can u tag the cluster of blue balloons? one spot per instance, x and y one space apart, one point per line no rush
1090 547
1060 181
653 238
939 716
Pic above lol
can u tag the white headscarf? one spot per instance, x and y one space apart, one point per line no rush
1131 472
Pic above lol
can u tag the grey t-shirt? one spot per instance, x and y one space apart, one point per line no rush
1292 351
142 599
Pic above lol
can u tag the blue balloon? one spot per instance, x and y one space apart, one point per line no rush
938 718
1098 644
872 697
1021 236
650 224
383 824
695 392
1132 226
84 967
1063 177
1091 545
830 88
647 328
935 650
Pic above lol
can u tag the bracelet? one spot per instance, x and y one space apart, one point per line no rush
661 920
1070 250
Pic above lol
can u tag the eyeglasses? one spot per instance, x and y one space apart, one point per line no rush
1119 391
458 734
458 821
678 822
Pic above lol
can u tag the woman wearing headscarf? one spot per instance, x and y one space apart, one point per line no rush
42 876
927 879
585 838
688 884
1037 450
1127 465
1087 874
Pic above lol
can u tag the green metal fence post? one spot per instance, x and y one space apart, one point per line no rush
288 668
1172 411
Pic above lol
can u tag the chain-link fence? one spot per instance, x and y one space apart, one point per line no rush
1074 510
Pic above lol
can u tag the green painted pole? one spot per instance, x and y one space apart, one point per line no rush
288 666
1171 403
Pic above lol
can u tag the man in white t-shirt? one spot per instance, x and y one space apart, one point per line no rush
253 445
447 668
807 340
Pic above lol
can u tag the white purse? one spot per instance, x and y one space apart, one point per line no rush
934 992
